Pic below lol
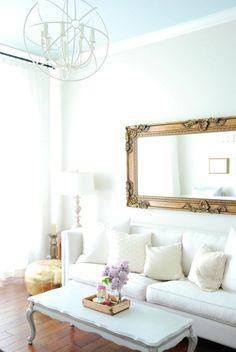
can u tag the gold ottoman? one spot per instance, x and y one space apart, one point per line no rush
43 275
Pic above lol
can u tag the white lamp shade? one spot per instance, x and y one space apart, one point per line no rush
77 183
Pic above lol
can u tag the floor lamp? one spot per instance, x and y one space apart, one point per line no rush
77 184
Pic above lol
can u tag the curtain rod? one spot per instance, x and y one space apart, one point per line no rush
27 60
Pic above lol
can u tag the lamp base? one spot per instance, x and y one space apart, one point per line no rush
77 212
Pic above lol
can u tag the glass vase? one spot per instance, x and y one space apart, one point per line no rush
115 295
119 296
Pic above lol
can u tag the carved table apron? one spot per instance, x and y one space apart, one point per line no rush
141 327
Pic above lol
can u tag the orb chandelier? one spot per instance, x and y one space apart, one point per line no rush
69 38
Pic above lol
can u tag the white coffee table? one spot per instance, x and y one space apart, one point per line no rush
141 327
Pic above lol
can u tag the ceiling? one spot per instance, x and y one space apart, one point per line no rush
124 19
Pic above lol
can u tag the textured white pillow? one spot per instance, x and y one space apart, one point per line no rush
130 247
164 262
207 269
95 245
229 280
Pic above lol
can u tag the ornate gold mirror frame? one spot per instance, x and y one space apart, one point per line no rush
208 205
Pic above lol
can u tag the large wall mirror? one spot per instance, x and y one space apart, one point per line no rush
189 165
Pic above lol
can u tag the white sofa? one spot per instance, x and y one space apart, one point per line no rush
213 313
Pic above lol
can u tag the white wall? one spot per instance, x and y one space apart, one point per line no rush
186 77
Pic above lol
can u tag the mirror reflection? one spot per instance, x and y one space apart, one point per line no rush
199 165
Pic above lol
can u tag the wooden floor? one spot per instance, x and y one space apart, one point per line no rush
55 336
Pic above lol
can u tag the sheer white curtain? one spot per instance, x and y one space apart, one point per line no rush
24 165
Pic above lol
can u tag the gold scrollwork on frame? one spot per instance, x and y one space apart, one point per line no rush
203 124
131 134
205 207
132 200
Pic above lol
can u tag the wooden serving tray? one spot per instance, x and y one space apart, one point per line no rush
111 310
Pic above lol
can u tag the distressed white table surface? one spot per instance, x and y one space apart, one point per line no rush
140 327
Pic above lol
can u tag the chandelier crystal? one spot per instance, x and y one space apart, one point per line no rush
69 38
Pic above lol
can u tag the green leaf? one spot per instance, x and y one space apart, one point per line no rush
106 280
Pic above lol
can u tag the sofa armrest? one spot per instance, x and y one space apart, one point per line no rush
71 248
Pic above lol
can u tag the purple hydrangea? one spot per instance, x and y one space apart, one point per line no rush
116 276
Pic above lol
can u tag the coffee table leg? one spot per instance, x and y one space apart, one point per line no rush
29 315
192 341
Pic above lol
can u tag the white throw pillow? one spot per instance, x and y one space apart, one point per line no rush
207 269
95 245
95 241
164 262
192 241
130 247
229 280
123 225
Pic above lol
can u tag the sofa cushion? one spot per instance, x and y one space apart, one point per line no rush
123 225
229 281
95 245
95 241
87 273
161 235
207 269
192 241
137 286
164 262
91 274
185 296
127 247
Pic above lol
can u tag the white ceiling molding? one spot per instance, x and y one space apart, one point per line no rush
215 19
